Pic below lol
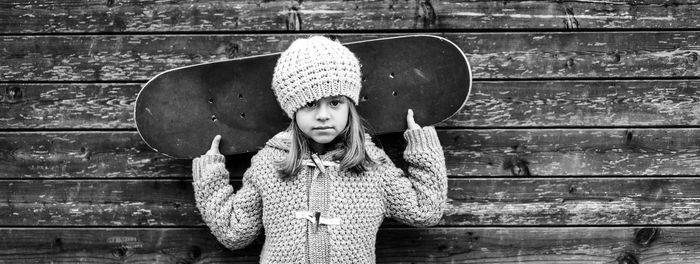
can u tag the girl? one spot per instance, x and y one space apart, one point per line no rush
321 189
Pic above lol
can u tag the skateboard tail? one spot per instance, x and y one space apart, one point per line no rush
142 107
468 71
429 74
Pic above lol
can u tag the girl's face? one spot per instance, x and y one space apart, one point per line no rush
323 120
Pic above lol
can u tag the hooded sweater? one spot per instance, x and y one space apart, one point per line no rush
323 214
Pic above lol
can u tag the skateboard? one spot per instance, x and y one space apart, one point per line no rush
178 112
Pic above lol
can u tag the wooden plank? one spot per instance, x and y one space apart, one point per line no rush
580 103
572 201
556 152
400 245
90 155
118 245
68 106
479 152
50 16
499 104
471 202
492 55
98 203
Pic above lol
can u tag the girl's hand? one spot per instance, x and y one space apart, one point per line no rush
409 119
214 150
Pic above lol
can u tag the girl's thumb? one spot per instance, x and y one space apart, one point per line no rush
215 142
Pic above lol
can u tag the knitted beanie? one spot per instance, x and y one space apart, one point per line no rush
314 68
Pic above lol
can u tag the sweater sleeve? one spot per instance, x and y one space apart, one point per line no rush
418 198
235 218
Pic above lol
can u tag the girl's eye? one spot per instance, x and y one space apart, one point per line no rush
335 102
311 104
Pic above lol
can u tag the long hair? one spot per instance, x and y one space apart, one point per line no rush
349 147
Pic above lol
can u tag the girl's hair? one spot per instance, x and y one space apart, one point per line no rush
349 146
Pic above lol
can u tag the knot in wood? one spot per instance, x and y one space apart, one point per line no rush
613 57
120 252
14 93
517 166
570 21
629 135
194 252
232 49
58 243
427 13
569 63
294 19
627 258
645 236
118 22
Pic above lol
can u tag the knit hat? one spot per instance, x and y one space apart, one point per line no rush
314 68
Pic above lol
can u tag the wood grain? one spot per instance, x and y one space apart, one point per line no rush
118 245
480 152
542 152
471 202
395 245
580 103
50 16
575 147
492 55
68 106
491 104
98 203
83 155
571 201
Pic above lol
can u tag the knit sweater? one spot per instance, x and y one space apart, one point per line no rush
323 214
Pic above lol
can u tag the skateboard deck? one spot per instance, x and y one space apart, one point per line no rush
178 112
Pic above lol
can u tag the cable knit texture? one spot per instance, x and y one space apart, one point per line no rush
359 201
315 68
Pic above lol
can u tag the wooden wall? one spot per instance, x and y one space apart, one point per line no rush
580 142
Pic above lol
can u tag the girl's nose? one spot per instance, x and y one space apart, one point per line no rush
322 113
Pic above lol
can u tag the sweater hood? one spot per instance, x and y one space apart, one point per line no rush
280 141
